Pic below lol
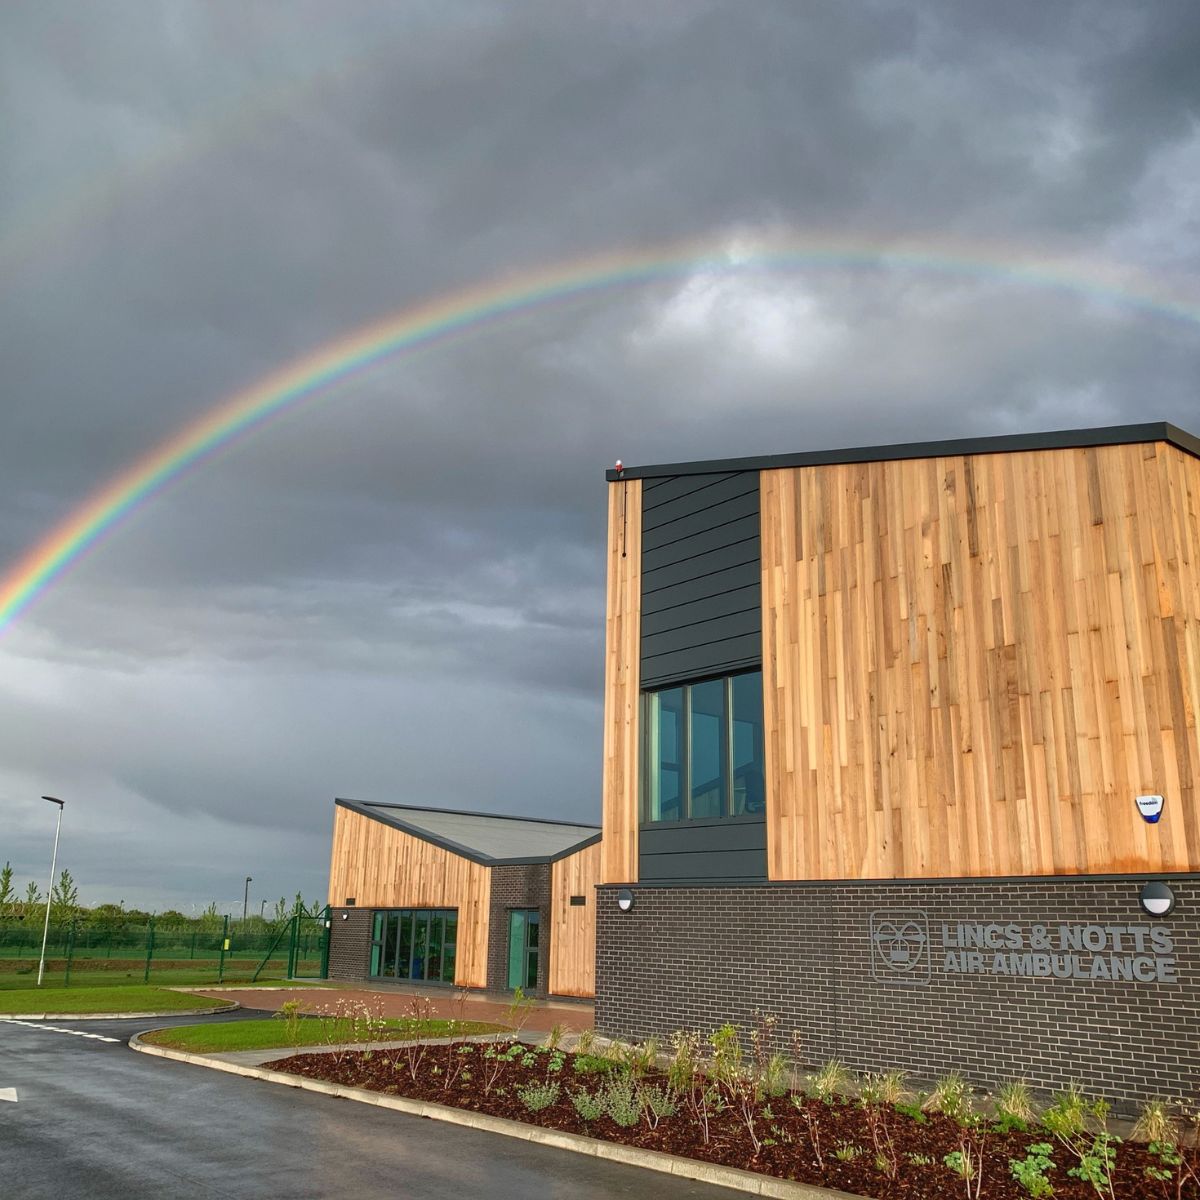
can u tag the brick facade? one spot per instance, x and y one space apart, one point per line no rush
518 887
350 943
861 972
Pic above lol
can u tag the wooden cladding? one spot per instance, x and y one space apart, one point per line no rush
973 664
621 683
572 925
383 867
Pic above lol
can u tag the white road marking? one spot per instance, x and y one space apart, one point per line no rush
99 1037
8 1094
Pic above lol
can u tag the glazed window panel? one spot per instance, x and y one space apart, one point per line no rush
702 750
416 944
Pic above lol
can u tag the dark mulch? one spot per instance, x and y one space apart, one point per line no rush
457 1076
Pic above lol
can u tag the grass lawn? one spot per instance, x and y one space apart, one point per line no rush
273 1033
106 999
84 978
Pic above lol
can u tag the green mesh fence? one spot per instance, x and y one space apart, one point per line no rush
227 951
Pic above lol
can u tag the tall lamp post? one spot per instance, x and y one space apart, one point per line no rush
50 889
246 898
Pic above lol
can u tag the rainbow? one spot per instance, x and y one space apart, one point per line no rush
472 308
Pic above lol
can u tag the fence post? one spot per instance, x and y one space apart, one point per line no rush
224 943
193 954
70 952
292 944
149 949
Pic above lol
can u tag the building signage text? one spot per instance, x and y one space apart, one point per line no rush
1134 953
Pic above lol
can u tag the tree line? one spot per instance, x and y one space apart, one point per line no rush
65 907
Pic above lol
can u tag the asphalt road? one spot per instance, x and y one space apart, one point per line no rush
95 1120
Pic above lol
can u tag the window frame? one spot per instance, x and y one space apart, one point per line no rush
648 739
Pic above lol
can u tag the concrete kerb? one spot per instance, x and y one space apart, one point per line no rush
119 1016
651 1160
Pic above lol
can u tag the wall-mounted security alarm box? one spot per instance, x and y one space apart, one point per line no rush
1150 807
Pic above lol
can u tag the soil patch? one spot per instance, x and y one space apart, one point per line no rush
800 1138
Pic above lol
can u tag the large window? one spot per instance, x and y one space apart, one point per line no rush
702 750
415 943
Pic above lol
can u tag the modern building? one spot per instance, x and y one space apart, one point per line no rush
894 738
434 896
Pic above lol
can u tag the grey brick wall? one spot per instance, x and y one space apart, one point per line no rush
517 887
695 957
350 943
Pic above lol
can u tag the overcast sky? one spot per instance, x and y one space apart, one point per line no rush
397 592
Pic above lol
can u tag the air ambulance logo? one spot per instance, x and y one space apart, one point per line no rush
900 945
1150 807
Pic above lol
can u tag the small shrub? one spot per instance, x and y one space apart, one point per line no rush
1030 1171
961 1164
657 1103
588 1106
846 1151
622 1100
585 1041
911 1110
537 1096
289 1014
555 1036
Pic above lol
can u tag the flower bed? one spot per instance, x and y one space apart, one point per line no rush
719 1108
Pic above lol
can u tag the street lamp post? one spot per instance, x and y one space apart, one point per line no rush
246 898
50 889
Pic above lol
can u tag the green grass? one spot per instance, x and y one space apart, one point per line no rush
25 980
107 999
272 1033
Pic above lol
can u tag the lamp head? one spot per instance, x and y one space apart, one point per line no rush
54 800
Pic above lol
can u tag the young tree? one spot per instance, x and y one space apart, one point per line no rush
32 900
281 910
8 897
64 898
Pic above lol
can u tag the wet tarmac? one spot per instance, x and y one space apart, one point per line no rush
95 1120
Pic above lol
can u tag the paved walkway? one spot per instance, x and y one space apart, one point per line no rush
398 1002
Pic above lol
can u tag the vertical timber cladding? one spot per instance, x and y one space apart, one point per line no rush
573 925
619 798
383 867
973 664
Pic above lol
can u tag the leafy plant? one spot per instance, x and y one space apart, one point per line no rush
519 1010
846 1151
622 1099
1068 1118
591 1064
657 1103
876 1096
961 1164
289 1014
920 1160
912 1110
1030 1171
537 1096
589 1107
810 1115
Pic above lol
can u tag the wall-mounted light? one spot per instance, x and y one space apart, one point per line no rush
345 916
1157 899
624 899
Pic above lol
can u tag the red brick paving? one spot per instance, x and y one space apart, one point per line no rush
393 1002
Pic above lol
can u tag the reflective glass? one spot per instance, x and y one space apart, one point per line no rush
377 943
707 749
450 947
404 949
389 944
437 929
749 795
516 948
420 944
664 778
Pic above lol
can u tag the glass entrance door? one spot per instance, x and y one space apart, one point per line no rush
524 928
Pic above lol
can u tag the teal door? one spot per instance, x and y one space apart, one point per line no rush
524 926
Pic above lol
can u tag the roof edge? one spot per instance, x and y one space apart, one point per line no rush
1008 443
368 810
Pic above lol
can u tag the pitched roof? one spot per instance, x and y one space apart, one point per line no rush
1059 439
486 838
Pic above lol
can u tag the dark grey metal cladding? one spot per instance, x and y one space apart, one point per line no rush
728 851
701 577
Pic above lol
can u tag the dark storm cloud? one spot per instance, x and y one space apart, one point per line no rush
396 592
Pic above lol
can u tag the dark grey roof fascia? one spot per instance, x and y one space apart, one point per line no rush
372 812
1059 439
467 812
